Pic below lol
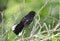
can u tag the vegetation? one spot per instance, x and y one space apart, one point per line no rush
45 26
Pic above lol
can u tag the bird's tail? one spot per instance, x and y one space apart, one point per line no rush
18 28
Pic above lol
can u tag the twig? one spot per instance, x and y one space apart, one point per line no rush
50 37
42 7
57 26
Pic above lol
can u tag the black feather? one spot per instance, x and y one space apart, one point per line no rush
24 22
18 28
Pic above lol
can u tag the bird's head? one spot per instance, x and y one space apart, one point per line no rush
32 13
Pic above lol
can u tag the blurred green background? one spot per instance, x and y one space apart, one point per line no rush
46 19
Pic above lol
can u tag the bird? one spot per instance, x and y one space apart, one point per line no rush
25 21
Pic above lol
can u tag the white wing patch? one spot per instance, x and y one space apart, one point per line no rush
13 27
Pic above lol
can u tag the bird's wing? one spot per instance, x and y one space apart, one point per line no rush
28 21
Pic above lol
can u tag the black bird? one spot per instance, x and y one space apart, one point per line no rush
26 20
